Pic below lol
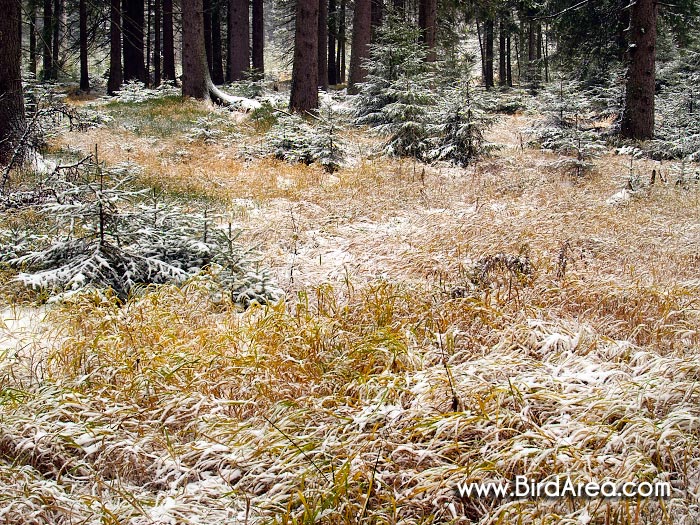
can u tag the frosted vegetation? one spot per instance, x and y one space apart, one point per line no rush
265 318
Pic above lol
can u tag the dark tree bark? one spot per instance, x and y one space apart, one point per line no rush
32 38
258 38
168 41
157 14
239 38
208 45
399 7
132 36
638 113
217 73
47 33
332 35
56 41
377 16
304 95
12 124
509 63
502 77
427 21
342 43
322 44
114 82
84 73
361 36
194 60
149 12
488 54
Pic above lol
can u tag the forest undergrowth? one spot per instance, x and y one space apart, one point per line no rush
439 325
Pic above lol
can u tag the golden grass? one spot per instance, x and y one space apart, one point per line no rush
387 376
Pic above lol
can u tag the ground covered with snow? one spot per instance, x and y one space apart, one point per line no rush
440 325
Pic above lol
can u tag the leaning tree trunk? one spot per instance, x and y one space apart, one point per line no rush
258 38
12 124
84 73
322 44
427 21
304 95
638 113
361 36
168 41
132 35
239 38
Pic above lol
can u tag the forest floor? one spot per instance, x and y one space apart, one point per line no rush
441 325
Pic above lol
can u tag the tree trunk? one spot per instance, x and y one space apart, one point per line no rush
47 32
32 38
157 73
12 124
84 73
132 36
304 95
56 42
114 82
208 43
239 38
259 38
488 54
377 16
194 60
502 76
217 73
361 36
168 41
332 34
149 12
342 44
509 63
399 8
427 21
323 44
638 113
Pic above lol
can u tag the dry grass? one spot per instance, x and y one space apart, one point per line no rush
389 375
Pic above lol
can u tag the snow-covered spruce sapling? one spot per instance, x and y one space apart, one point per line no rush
457 133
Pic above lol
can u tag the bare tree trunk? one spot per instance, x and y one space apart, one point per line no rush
168 41
342 44
84 73
361 36
132 36
157 14
259 38
56 42
638 113
114 82
12 124
323 44
377 16
148 42
332 34
239 38
304 95
208 44
32 38
488 54
427 21
47 66
217 73
509 63
194 60
502 77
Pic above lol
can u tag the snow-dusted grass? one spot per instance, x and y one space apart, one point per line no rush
390 374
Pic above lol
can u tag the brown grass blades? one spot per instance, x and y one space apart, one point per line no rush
176 407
